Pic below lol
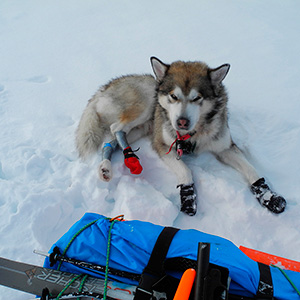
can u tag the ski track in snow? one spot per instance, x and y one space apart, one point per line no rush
55 55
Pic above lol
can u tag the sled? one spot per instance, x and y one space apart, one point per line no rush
153 257
146 261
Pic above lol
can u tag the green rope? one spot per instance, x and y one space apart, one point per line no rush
288 279
65 251
107 257
82 284
73 238
68 285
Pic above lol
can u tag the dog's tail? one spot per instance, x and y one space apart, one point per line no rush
89 131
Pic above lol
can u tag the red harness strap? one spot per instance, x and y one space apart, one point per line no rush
179 138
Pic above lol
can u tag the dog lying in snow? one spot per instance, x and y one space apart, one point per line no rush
183 109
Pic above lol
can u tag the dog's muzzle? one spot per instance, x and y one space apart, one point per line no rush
183 123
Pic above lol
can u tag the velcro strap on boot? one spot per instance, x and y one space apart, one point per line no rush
128 152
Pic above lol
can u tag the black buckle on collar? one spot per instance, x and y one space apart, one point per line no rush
186 147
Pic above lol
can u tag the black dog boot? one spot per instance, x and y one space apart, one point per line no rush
268 198
188 199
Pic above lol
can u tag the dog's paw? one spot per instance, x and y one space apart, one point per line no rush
266 197
133 164
188 199
105 172
132 161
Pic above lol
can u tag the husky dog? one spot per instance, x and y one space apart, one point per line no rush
184 110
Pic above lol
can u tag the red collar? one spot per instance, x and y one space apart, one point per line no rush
179 138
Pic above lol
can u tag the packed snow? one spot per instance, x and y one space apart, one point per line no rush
54 56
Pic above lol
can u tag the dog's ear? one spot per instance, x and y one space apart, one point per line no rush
159 68
218 74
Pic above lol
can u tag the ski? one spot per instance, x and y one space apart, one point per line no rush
78 297
35 280
72 297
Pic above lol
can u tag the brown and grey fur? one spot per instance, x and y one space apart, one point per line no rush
211 132
186 93
124 104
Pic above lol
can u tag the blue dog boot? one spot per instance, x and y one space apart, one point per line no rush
266 197
188 199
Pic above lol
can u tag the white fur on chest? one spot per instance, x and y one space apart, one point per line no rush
215 145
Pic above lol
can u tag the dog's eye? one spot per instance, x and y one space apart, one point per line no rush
174 97
197 98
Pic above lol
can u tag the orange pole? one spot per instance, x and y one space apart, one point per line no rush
185 285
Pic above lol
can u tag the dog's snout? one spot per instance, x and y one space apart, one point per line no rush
183 123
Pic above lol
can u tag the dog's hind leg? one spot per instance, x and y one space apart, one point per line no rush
122 139
133 123
266 197
131 160
105 169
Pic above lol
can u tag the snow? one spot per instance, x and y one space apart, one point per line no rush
54 56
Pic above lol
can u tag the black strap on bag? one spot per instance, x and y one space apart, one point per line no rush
265 286
154 270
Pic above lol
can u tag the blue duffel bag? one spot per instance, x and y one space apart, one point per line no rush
131 244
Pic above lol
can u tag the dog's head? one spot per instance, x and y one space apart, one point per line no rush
188 90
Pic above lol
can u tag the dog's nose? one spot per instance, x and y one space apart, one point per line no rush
183 123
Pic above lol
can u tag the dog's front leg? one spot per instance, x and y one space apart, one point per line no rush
235 158
185 183
266 197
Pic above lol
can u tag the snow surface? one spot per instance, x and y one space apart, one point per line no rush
54 56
